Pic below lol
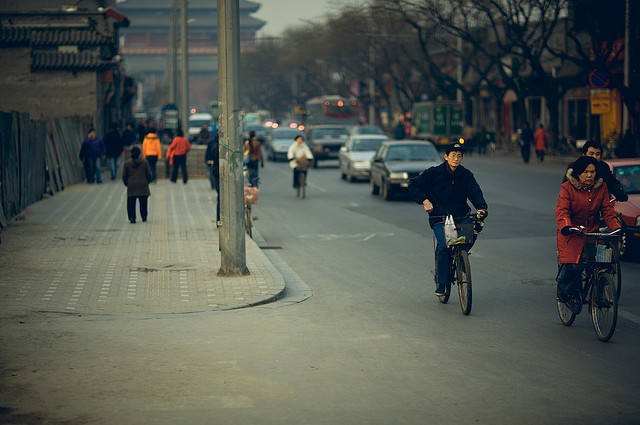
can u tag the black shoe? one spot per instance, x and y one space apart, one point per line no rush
132 220
144 220
440 290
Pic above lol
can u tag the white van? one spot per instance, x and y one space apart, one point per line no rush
196 122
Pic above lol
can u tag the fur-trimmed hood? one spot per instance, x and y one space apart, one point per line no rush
578 185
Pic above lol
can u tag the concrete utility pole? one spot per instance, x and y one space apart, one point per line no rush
233 260
172 60
184 69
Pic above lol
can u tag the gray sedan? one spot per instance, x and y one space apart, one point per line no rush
354 159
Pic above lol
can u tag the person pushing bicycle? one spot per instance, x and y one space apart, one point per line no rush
442 190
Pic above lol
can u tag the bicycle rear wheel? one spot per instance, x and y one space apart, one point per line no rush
567 316
463 279
604 306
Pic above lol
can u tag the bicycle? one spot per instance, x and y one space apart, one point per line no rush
598 289
251 193
459 266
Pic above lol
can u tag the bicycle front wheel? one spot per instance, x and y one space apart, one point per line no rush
604 306
301 185
248 219
463 280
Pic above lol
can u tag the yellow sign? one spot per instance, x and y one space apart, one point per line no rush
600 102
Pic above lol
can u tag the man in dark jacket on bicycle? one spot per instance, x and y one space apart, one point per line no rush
443 190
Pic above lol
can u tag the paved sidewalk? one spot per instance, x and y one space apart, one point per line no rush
76 252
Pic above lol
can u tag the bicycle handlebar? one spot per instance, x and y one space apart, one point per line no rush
613 235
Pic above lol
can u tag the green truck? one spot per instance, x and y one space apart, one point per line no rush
439 121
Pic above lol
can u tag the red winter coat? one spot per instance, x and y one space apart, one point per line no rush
578 206
540 139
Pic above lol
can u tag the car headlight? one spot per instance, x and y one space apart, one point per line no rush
361 164
317 148
398 175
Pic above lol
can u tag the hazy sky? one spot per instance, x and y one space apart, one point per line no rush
281 14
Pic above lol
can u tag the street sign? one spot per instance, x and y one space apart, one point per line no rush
598 79
600 101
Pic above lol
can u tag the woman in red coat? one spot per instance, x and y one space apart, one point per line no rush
540 140
582 197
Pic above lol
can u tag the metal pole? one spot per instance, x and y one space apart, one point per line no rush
184 69
232 236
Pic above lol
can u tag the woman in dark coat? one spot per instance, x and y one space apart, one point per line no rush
136 175
582 197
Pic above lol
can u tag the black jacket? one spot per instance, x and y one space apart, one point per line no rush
603 171
447 192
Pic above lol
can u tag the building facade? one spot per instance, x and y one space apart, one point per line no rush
149 43
62 60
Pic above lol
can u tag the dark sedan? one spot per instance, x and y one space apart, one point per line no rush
325 141
396 162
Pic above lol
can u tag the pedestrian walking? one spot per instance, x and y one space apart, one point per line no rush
152 150
92 152
253 156
115 147
136 175
541 141
128 136
526 140
212 158
177 153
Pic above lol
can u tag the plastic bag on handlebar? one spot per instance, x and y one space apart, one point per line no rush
450 232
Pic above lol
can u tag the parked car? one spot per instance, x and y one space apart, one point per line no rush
354 159
325 141
366 129
396 162
627 171
279 140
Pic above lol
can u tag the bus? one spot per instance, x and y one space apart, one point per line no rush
332 109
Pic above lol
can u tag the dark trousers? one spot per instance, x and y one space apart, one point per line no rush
179 161
152 160
131 207
540 155
296 179
215 185
526 152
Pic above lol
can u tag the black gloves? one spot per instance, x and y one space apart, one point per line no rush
568 230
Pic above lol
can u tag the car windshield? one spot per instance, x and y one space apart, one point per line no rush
198 123
369 130
330 133
412 153
629 176
286 134
366 144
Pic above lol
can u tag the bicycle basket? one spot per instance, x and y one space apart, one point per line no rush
598 253
251 195
466 230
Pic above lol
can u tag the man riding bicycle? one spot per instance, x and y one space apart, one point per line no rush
444 190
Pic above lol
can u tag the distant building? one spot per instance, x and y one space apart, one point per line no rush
59 60
147 44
